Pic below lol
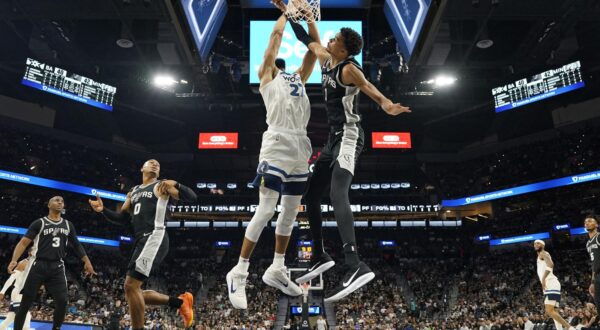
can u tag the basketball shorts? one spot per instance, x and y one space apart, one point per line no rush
344 145
552 292
283 161
148 253
49 273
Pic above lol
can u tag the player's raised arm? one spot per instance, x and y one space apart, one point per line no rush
118 218
265 72
311 39
308 62
351 75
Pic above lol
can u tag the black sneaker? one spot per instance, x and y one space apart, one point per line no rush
354 279
317 266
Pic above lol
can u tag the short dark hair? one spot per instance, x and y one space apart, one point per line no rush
280 64
592 216
352 40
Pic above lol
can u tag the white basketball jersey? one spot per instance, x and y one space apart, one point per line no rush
286 101
541 270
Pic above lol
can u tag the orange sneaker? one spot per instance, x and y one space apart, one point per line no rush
187 309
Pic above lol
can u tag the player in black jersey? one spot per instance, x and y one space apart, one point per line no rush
50 236
593 248
342 82
147 205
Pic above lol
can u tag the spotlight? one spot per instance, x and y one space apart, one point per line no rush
442 81
162 81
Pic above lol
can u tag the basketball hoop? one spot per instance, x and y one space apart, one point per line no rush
305 288
304 10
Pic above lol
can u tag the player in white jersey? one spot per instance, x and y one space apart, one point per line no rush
16 280
283 165
550 285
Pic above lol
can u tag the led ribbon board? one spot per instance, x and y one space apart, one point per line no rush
519 239
541 86
578 231
82 239
520 190
36 181
205 18
44 325
292 50
323 3
406 18
59 82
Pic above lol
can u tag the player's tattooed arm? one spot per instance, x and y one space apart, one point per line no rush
118 218
351 75
176 190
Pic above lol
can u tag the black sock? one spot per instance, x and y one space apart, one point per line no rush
175 302
351 255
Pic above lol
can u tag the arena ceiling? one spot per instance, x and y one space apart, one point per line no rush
81 35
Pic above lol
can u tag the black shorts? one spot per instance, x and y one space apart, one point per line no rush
344 145
14 307
149 251
50 274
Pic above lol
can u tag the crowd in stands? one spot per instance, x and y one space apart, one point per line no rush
565 155
492 290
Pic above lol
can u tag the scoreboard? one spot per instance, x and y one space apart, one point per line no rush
58 81
541 86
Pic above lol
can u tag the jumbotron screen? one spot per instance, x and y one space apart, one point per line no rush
292 50
59 82
541 86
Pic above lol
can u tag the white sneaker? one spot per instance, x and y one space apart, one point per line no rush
236 287
278 278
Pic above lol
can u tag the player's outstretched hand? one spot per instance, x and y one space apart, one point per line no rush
89 269
394 109
280 5
97 205
11 267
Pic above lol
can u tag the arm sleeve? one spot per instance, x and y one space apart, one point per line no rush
186 194
79 250
117 218
8 283
301 34
34 229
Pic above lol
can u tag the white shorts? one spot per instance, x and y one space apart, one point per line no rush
287 153
283 160
552 292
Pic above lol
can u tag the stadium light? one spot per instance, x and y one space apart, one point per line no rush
442 81
164 80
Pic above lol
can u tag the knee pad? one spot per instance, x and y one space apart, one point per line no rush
264 212
287 217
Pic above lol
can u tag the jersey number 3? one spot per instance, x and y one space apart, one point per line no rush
56 242
297 90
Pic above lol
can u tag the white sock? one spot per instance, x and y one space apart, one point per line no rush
243 265
279 260
558 325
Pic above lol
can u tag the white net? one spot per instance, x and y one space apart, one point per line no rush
304 10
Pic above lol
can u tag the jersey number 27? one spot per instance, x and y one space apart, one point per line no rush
297 90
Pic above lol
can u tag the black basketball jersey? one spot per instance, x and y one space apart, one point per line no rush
50 239
593 249
341 100
147 210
